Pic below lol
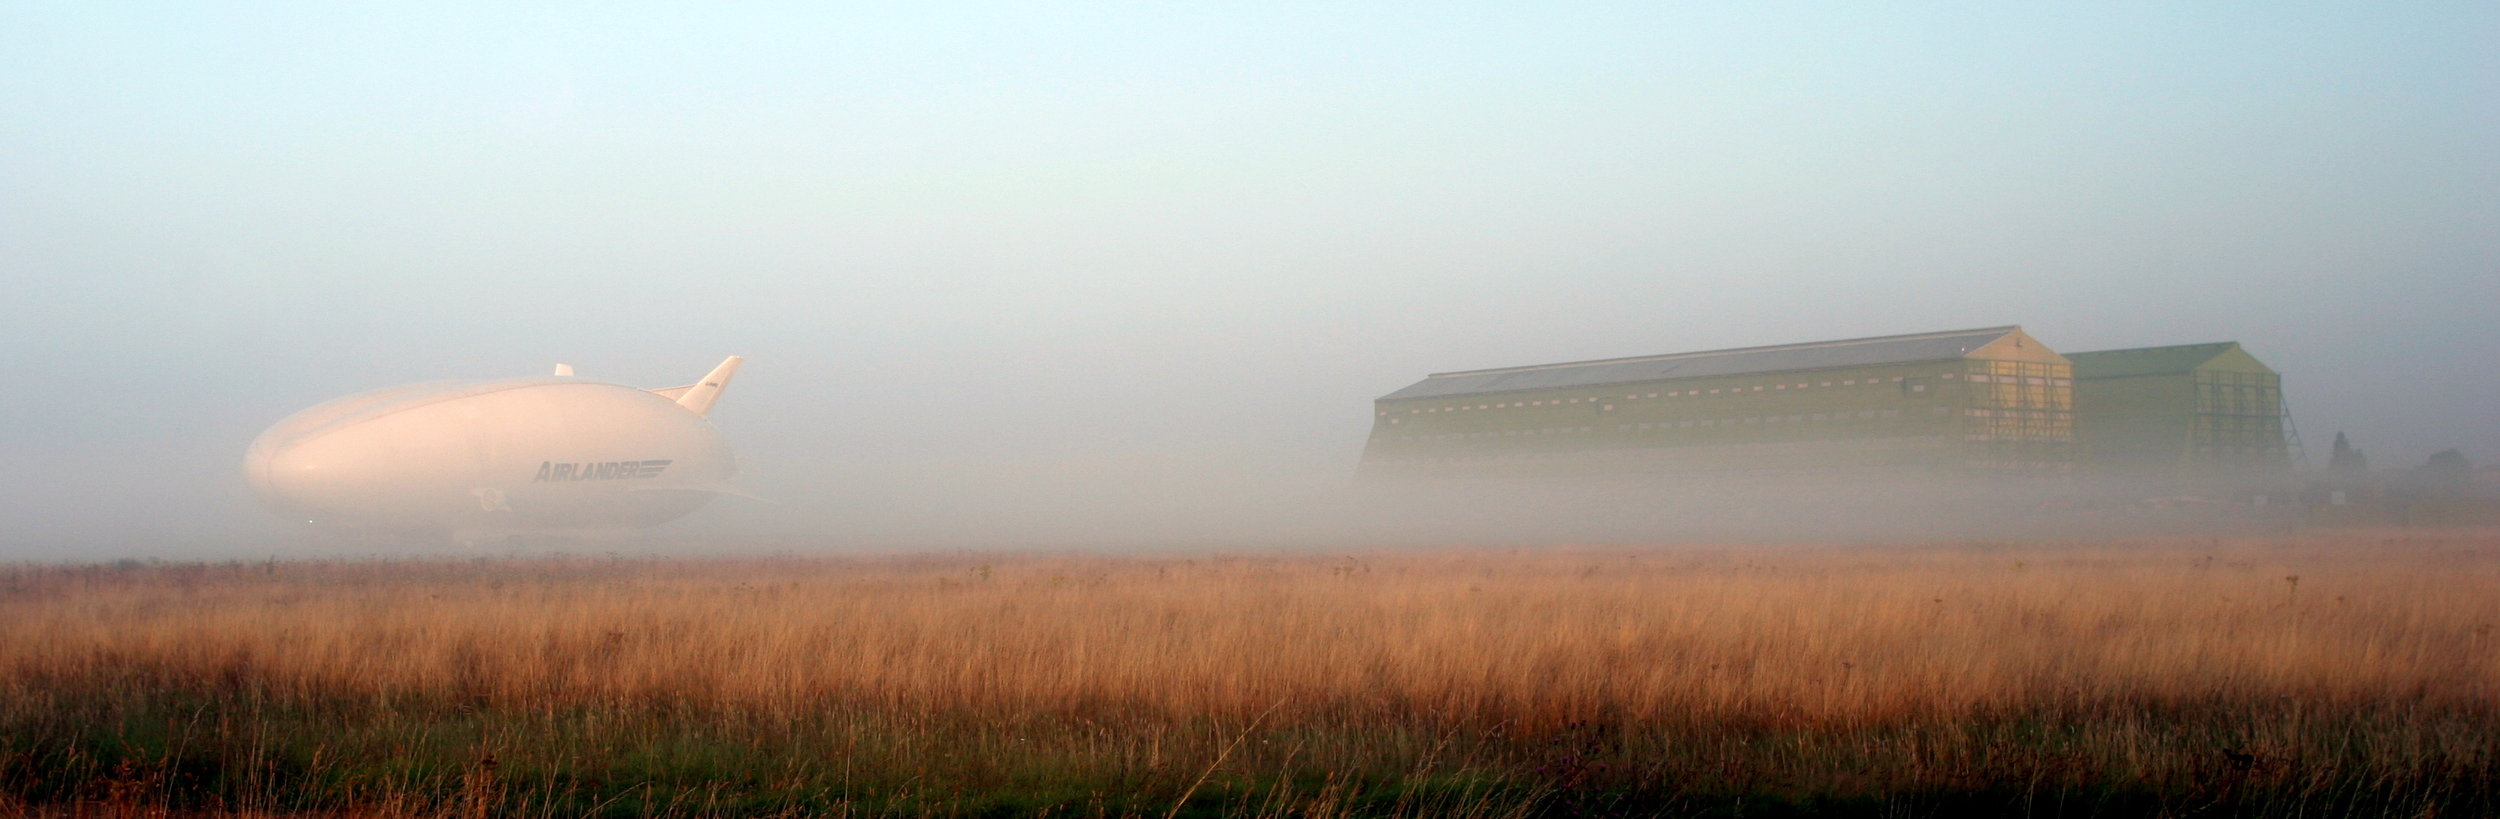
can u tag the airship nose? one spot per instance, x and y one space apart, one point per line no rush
281 476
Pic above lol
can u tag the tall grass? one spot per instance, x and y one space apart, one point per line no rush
2312 674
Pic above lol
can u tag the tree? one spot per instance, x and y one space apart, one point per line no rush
2447 473
2347 461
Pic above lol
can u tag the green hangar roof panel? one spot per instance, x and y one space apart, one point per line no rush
2169 360
1819 355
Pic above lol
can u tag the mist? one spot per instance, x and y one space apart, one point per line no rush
1109 278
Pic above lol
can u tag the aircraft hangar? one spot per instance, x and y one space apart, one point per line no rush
1991 400
1987 400
2188 410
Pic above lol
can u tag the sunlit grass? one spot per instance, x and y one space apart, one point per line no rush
2292 674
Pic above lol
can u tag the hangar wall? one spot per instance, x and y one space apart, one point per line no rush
2191 410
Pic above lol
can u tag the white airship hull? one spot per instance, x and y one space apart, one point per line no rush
520 454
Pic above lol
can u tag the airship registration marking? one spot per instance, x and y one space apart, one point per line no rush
599 471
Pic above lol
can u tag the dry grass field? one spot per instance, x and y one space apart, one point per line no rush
2336 674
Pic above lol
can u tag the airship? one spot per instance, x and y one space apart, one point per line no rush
550 453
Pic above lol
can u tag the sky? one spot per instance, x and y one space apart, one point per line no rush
986 257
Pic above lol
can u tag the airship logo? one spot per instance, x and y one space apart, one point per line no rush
604 471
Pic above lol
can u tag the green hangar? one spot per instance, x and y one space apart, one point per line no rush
1990 400
2192 410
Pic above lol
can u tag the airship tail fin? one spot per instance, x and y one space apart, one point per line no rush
698 397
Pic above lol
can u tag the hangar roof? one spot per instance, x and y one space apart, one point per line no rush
1818 355
2171 360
